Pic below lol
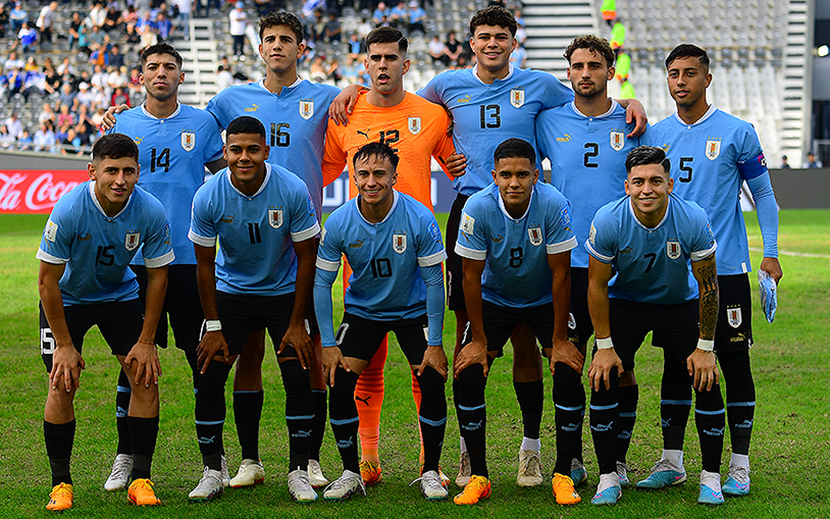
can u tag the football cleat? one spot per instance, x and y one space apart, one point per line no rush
121 468
226 477
344 486
608 490
622 473
300 487
477 488
530 468
432 486
737 481
209 486
315 474
663 474
141 493
710 491
563 490
371 473
579 475
445 479
464 471
60 498
250 473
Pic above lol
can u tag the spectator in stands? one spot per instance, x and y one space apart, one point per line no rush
99 78
355 46
97 15
65 116
116 59
437 51
380 12
135 81
13 63
47 114
132 37
84 95
6 138
182 9
129 16
65 67
4 20
53 79
333 29
784 163
113 22
519 57
17 17
263 7
24 143
812 162
417 17
44 138
364 28
164 26
238 22
61 133
350 70
31 64
453 47
14 125
120 97
96 39
71 144
68 94
318 69
224 78
16 78
334 72
27 37
45 22
399 15
74 30
33 83
521 32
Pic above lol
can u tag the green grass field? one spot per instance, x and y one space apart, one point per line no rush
790 450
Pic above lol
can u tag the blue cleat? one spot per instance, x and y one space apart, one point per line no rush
709 496
737 482
608 490
663 474
578 473
622 472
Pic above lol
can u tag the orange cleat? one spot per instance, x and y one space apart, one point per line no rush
60 498
370 472
563 490
478 488
141 493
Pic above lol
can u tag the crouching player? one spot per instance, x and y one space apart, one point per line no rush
92 235
515 241
263 220
394 247
649 237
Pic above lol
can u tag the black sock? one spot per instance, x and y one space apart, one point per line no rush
468 392
711 423
344 419
569 400
531 401
210 413
247 411
143 432
122 405
59 439
319 423
628 397
675 402
740 398
604 424
299 413
432 417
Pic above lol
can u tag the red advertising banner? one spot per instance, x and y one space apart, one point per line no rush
36 190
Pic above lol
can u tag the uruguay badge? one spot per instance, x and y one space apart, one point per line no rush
414 125
617 140
535 234
306 109
673 249
733 315
188 141
712 149
399 243
517 97
132 240
275 218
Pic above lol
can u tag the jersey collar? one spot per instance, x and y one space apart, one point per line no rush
151 116
505 78
649 229
504 210
261 83
98 204
261 188
388 215
712 109
610 111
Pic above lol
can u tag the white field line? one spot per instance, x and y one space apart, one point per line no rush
791 253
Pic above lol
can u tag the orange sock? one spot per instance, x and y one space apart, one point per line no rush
368 396
416 395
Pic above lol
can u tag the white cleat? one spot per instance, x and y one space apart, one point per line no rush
464 471
300 487
344 486
530 469
315 474
250 473
432 486
121 468
226 477
209 486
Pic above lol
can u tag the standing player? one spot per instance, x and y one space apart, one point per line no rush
88 243
639 281
515 239
294 113
175 143
587 142
263 220
397 285
416 130
714 153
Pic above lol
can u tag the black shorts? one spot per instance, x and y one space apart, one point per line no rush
500 321
675 328
242 314
360 338
580 326
455 270
734 331
120 324
182 306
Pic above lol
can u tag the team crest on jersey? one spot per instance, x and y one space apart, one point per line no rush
468 224
617 140
673 249
188 141
712 149
571 321
517 97
733 315
306 109
535 234
132 240
399 243
414 125
275 218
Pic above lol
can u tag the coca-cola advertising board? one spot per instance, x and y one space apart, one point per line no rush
36 190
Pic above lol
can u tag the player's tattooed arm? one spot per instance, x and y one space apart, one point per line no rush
66 361
706 274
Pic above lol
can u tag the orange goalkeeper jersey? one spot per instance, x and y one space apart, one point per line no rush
415 128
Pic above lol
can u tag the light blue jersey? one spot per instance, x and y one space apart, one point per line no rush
709 161
295 120
516 271
97 249
652 265
172 153
386 282
255 233
486 115
587 161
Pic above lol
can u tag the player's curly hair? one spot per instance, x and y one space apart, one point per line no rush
245 124
590 42
114 146
687 50
378 150
161 48
515 148
495 16
644 155
387 35
274 19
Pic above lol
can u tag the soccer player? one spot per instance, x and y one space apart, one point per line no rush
639 281
294 113
175 143
515 239
416 130
397 285
262 218
713 153
91 237
587 142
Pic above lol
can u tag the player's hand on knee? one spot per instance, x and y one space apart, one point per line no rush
298 338
435 357
566 353
456 165
332 357
599 374
149 367
68 364
211 344
703 369
473 353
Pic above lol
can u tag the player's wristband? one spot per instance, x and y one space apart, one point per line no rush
703 344
604 344
147 343
213 325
